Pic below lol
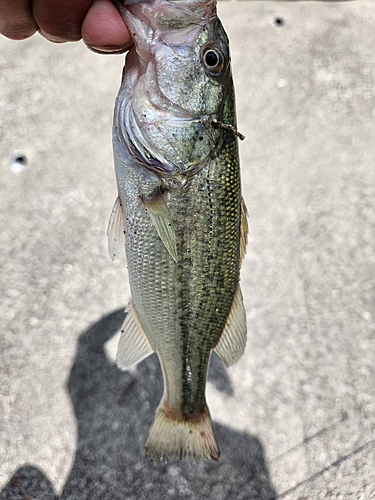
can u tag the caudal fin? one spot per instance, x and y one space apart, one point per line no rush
173 437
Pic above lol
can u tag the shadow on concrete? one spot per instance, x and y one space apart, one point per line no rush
114 410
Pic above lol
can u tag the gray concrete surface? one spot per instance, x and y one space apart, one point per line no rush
295 416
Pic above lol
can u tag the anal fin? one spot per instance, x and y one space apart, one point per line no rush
116 230
161 218
133 345
233 339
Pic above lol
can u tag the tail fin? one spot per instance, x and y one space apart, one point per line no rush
173 437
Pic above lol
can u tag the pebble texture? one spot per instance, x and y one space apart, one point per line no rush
295 416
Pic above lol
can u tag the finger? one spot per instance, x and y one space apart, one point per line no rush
60 21
16 19
103 29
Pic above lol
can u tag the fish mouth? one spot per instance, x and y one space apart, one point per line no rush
172 22
150 141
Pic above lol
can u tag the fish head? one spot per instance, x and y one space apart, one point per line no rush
177 83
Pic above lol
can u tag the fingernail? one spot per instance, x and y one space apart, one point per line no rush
108 49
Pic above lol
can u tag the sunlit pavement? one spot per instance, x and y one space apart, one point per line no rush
295 416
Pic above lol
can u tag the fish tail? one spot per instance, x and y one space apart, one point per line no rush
173 436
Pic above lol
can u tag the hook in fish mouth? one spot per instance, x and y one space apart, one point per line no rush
227 126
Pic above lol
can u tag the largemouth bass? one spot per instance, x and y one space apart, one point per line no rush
180 211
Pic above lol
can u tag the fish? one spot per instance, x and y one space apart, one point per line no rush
179 213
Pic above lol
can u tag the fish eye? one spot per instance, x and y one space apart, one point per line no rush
213 60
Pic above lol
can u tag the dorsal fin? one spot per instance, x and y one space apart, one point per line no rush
244 230
233 339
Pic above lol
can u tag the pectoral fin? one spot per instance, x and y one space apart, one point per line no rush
161 218
233 339
116 230
133 345
244 230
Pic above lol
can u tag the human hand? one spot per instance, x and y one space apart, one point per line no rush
97 22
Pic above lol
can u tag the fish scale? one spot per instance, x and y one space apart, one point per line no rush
185 224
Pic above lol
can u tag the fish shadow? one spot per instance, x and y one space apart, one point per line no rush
114 410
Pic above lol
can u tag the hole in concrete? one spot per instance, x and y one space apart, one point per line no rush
279 22
20 158
18 163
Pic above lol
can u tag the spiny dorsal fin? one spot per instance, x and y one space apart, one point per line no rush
133 345
233 339
162 220
244 230
116 230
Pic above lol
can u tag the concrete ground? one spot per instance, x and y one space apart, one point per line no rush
295 416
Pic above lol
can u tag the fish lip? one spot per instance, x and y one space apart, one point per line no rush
198 13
